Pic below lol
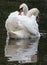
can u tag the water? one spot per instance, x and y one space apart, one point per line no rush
13 50
42 51
21 50
12 6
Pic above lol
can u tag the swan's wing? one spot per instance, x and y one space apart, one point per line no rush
30 25
14 26
11 22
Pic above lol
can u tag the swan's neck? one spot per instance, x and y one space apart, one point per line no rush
24 7
25 10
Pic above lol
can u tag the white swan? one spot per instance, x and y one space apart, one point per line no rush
24 27
19 26
32 14
30 24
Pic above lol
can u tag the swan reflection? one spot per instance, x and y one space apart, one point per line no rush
23 50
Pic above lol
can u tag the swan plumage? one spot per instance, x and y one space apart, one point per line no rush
17 22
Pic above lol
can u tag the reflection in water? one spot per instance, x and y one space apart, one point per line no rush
22 50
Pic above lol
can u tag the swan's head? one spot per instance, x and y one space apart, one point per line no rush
33 11
24 7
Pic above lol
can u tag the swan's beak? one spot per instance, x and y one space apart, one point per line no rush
20 11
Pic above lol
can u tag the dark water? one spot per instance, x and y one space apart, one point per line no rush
42 52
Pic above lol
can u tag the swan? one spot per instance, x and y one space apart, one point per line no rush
24 26
30 24
19 26
33 14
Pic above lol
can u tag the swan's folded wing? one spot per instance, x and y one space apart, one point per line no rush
30 25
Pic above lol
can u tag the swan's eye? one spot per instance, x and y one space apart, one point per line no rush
21 9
